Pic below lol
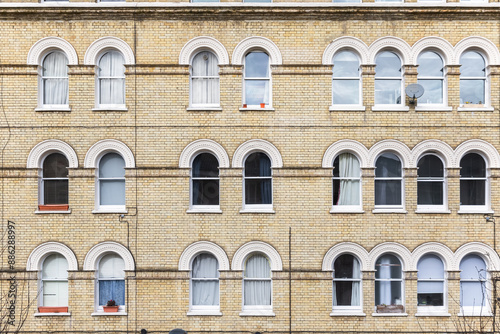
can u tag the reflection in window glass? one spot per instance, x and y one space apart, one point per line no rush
388 78
472 78
431 77
346 78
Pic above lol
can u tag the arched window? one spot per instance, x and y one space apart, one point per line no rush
205 283
54 80
258 180
431 77
430 183
54 281
346 180
388 79
257 80
111 79
257 284
473 290
346 84
388 284
346 283
472 79
473 181
111 281
205 180
430 284
54 183
205 80
388 181
111 183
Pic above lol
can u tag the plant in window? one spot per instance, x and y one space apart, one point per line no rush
257 79
389 285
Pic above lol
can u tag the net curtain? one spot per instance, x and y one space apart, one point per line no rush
205 283
55 78
257 283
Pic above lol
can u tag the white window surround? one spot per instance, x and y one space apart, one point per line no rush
91 263
421 106
389 208
486 285
202 309
353 107
261 207
94 154
99 182
349 208
205 78
196 208
428 208
349 310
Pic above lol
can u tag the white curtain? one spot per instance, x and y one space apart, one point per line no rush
205 79
384 291
349 189
356 273
55 281
112 78
205 280
257 283
55 78
111 279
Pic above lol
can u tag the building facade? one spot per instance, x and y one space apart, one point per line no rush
248 166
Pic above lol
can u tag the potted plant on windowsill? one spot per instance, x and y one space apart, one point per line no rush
390 308
110 306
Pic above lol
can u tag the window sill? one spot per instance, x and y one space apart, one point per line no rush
432 314
347 107
98 211
68 314
204 312
52 211
346 209
475 108
110 108
390 108
257 109
204 109
113 314
432 211
475 314
257 313
257 210
389 210
389 314
433 108
347 314
215 209
64 108
469 210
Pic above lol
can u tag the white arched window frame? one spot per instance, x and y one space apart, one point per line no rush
475 286
389 81
204 285
432 76
474 79
205 183
432 187
474 183
53 182
204 80
53 93
110 282
346 183
53 283
389 182
347 285
389 284
110 80
431 285
109 174
257 182
346 80
257 286
257 80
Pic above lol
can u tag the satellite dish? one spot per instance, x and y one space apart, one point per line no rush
414 91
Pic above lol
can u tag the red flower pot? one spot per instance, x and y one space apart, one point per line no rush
53 309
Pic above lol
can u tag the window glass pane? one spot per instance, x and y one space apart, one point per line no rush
346 266
388 165
472 192
433 91
345 91
257 292
472 294
430 293
111 266
346 165
472 91
387 192
430 166
205 266
257 266
112 64
258 191
55 64
387 64
111 165
205 165
55 78
55 165
55 192
388 266
257 64
256 92
387 91
472 165
55 266
205 192
111 74
472 65
346 191
258 164
430 267
472 267
112 289
345 64
430 64
205 64
430 193
205 292
112 192
388 292
55 293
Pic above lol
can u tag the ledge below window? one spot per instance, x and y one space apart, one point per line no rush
204 313
389 314
346 107
472 210
98 211
59 314
475 314
346 209
390 108
98 109
432 211
257 109
255 313
433 108
257 210
63 108
347 314
113 314
388 210
475 109
432 314
204 109
205 209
